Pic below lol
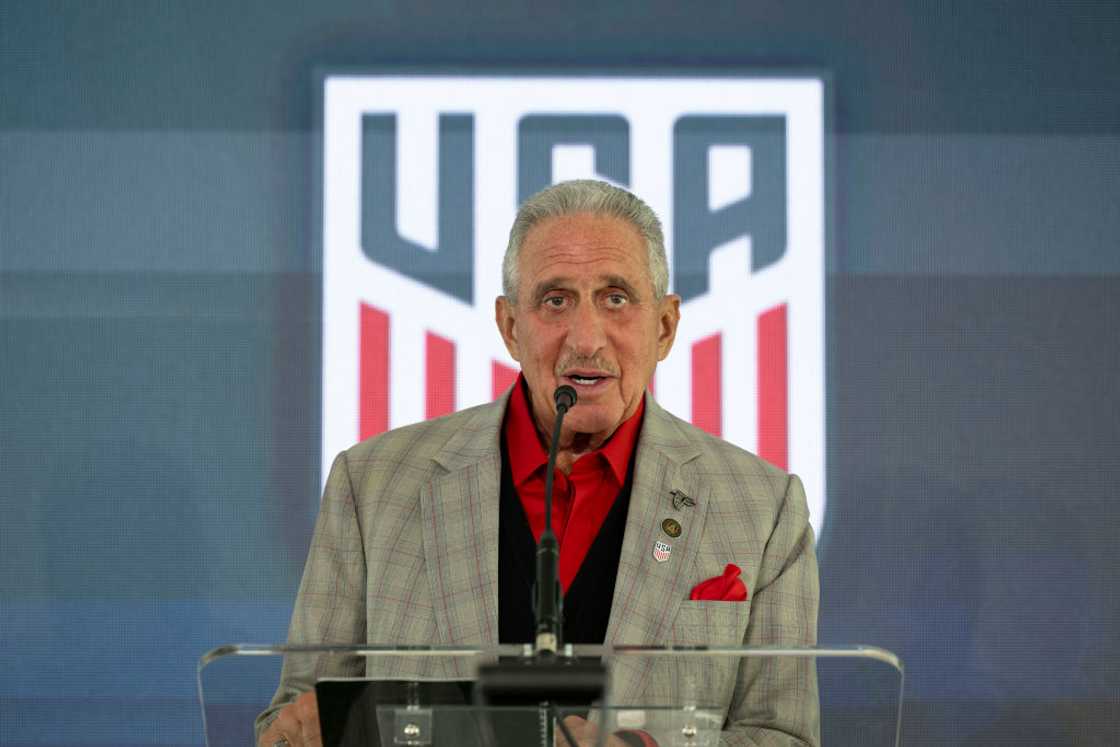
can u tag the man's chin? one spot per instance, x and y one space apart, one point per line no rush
602 422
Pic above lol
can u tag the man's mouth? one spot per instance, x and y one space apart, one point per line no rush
586 378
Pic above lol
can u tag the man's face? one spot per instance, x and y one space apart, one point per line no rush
586 316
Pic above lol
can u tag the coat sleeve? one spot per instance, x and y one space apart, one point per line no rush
330 606
775 701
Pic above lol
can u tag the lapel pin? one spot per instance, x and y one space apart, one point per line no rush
671 527
661 551
681 499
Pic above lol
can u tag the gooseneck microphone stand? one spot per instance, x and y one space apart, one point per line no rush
546 678
549 602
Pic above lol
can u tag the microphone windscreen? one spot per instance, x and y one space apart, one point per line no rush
565 397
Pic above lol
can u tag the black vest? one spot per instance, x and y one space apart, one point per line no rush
587 604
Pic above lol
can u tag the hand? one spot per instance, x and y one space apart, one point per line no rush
585 733
298 723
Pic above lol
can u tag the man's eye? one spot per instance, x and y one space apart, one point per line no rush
616 299
555 302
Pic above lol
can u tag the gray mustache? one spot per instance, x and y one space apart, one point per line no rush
596 363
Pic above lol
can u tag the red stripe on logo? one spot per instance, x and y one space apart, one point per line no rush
439 367
501 378
707 387
773 387
373 372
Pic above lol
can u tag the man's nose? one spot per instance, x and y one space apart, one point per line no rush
587 334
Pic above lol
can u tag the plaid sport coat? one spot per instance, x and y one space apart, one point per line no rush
405 552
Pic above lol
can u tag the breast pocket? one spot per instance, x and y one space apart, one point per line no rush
701 678
711 623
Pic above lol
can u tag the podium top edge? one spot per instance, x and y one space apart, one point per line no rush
854 651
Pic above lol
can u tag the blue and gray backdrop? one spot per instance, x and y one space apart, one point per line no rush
161 317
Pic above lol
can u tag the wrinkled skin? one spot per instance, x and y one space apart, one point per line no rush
586 315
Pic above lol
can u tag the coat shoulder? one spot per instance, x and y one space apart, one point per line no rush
421 450
736 477
428 436
714 454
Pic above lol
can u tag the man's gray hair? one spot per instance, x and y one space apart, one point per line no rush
587 196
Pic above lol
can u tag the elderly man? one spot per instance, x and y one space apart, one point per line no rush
667 534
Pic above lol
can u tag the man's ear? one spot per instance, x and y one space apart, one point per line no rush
669 315
504 316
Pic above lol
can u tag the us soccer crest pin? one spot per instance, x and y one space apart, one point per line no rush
661 551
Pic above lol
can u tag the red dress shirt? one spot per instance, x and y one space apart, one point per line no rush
580 500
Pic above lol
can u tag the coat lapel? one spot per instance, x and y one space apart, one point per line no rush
648 593
459 511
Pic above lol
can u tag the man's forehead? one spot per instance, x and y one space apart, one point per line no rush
582 248
589 229
579 257
580 240
610 267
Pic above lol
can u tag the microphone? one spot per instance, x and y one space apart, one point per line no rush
549 610
545 679
565 397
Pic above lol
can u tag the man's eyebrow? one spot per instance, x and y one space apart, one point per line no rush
562 281
620 282
548 284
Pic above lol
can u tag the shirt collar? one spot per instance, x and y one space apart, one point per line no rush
527 453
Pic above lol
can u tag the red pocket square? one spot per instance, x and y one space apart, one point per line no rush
726 588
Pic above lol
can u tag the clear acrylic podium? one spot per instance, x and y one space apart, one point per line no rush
860 692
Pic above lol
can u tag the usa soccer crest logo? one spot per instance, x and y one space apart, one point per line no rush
421 179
